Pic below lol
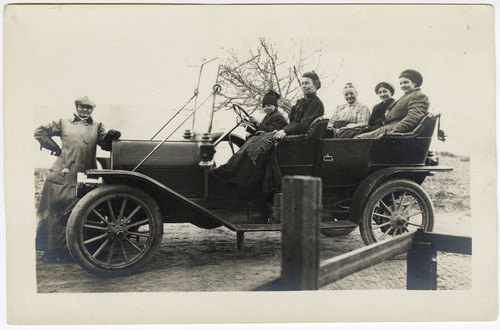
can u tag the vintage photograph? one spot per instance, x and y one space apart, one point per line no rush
306 157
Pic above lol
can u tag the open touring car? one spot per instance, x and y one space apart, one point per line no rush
373 184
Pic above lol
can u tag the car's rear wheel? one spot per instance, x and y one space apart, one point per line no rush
396 207
114 230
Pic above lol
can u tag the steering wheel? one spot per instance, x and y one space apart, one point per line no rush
244 115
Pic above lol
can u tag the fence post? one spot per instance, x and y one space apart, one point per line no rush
301 213
421 264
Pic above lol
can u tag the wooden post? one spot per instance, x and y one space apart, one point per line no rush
240 240
301 209
421 265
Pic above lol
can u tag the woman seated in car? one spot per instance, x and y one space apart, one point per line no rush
273 120
254 169
403 115
385 91
350 114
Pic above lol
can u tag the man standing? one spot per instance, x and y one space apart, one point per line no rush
79 137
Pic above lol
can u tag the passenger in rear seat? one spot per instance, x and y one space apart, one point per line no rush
404 114
350 114
385 91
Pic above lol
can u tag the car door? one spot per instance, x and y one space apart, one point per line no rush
344 162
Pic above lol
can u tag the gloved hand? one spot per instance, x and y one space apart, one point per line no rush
110 136
56 152
114 134
49 144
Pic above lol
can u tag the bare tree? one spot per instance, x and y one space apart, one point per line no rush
246 79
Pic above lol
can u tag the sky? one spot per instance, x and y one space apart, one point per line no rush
141 63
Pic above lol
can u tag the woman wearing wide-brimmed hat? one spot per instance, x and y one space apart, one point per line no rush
404 115
79 137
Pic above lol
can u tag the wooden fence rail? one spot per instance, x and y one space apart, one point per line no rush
301 268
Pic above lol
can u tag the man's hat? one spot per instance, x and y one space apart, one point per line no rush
84 101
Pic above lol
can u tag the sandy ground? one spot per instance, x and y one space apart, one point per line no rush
195 259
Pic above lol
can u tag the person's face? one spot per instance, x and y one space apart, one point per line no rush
268 108
406 84
307 86
350 96
84 110
384 93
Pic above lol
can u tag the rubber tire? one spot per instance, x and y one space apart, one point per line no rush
332 232
95 197
381 191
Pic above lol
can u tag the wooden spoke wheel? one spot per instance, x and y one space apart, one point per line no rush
396 207
114 230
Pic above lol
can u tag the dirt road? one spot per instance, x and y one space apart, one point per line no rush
194 259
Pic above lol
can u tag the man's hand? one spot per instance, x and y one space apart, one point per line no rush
50 144
114 134
56 152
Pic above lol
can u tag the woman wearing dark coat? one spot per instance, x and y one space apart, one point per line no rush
274 120
254 169
385 91
307 108
79 137
403 115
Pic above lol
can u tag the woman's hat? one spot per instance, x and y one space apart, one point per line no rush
385 85
271 97
84 101
314 77
414 76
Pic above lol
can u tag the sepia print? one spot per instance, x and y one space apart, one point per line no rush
276 157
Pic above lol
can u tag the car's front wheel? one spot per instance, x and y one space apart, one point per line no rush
397 206
114 230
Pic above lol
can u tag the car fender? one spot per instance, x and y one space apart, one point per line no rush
160 193
364 190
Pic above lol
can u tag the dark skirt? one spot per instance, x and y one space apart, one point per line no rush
56 203
254 169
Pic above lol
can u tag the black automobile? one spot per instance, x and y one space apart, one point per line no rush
373 184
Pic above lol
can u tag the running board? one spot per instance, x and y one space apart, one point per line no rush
277 226
242 228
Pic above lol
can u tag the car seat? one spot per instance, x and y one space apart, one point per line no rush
316 130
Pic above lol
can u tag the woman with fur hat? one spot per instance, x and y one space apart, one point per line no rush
274 120
404 115
79 136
